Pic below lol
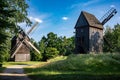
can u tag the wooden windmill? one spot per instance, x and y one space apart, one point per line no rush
20 45
89 32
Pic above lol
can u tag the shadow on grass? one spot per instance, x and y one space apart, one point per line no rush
74 77
13 74
7 77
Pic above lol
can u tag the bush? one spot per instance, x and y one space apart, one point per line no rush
50 53
35 56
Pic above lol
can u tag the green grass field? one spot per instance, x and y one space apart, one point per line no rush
78 67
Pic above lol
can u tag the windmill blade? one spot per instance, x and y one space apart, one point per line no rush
108 16
32 27
32 46
20 45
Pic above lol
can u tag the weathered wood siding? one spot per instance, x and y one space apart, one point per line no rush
22 57
81 22
95 39
82 37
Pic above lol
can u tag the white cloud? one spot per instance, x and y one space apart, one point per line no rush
65 18
38 20
84 4
113 6
90 2
35 19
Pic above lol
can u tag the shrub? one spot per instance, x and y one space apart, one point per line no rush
50 53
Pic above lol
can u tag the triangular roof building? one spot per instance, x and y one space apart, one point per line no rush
89 34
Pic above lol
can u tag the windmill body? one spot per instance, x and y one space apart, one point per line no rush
21 45
23 54
89 32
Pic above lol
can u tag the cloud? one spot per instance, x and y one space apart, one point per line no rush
112 6
84 4
64 18
35 19
90 2
38 20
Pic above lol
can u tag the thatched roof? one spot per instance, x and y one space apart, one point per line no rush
90 20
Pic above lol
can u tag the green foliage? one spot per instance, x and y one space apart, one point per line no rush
42 44
80 67
51 52
64 45
113 39
34 55
12 12
51 39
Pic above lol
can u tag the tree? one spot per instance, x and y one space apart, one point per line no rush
34 55
69 45
12 12
116 33
51 39
113 39
51 53
59 46
42 44
108 42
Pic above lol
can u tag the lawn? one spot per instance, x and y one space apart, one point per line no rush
29 63
78 67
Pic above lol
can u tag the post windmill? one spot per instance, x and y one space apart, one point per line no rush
20 45
89 32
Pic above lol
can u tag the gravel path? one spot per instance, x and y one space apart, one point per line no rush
14 72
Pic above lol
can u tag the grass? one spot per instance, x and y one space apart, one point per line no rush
30 63
78 67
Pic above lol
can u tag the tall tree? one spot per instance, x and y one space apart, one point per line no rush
116 33
12 12
113 39
51 39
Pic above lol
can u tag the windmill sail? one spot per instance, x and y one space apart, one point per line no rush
23 39
32 28
108 15
17 49
32 46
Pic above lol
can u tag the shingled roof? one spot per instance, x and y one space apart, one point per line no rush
91 20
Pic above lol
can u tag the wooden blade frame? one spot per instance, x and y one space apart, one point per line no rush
20 45
21 42
32 46
32 28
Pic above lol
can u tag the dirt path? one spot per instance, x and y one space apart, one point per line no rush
14 72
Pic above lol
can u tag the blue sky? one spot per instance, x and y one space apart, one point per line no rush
60 16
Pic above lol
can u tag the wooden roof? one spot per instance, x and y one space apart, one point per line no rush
90 20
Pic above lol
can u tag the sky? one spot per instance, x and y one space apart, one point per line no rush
60 16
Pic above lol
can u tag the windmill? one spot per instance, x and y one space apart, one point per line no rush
20 45
89 32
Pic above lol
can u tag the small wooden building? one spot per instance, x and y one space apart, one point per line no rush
89 34
23 54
